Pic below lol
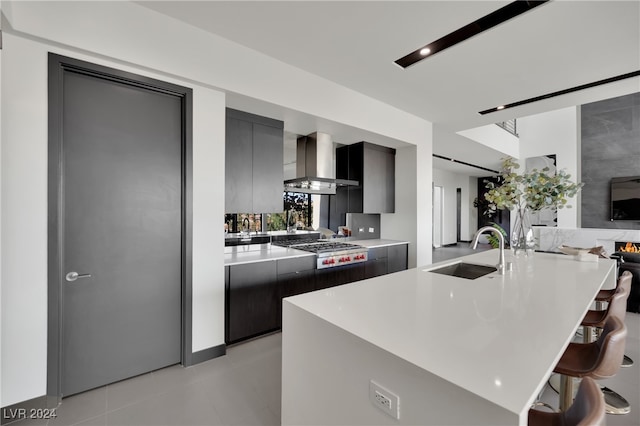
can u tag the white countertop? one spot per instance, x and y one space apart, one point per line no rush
236 255
375 242
496 336
250 253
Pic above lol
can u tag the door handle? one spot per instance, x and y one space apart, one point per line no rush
72 276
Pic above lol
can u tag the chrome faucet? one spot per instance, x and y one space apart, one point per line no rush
474 244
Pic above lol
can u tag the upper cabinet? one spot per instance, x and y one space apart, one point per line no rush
253 163
374 166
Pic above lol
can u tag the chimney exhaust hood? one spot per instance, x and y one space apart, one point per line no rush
315 166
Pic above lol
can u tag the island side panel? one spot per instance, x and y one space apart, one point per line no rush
326 373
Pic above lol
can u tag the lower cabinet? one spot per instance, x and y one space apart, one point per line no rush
254 291
252 300
397 258
385 260
295 276
376 263
331 277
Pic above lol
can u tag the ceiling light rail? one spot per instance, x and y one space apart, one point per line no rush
466 164
478 26
562 92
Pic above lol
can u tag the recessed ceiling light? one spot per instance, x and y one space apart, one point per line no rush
496 17
563 92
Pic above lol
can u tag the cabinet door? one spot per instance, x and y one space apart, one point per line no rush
331 277
379 180
268 169
252 300
375 268
238 166
296 276
295 283
397 258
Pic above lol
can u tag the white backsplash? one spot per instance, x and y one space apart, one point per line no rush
549 239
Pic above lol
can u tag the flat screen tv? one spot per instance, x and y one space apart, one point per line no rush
625 198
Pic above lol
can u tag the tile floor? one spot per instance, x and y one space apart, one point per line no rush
451 252
243 388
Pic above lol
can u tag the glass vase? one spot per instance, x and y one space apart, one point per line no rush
522 239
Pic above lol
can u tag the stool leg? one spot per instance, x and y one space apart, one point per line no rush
587 334
566 392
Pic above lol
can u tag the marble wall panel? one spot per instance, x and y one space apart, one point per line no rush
610 148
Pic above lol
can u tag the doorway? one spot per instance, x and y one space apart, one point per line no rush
119 225
438 194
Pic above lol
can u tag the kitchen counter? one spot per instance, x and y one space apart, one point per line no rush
236 255
456 351
249 253
375 243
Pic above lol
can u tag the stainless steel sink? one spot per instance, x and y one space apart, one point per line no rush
469 271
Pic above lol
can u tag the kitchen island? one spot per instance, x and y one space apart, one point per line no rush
454 350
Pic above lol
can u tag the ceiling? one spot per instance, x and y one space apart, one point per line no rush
558 45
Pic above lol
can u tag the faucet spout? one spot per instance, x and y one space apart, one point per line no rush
474 244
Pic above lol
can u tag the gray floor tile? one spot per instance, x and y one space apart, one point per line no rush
186 405
29 422
95 421
263 417
232 395
78 408
130 391
208 369
452 252
244 388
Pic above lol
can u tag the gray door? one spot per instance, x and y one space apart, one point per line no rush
121 213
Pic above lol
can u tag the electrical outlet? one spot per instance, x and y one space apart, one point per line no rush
360 229
371 230
384 399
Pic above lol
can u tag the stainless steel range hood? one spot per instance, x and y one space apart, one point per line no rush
315 166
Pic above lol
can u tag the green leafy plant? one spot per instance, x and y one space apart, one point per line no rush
493 239
535 190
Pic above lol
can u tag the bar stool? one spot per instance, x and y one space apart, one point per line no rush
587 409
598 360
605 296
617 305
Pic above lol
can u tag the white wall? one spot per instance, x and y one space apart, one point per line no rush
130 37
24 224
554 132
413 177
1 258
494 137
450 182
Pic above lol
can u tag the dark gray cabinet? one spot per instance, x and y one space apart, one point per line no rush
397 258
331 277
385 260
373 166
376 263
252 300
254 172
254 291
295 276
